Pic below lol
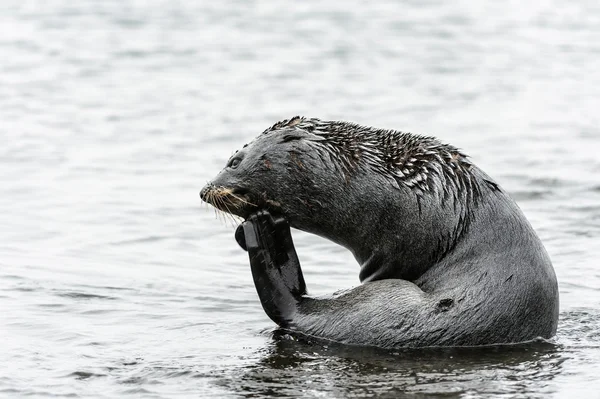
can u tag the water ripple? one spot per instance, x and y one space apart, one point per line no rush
115 281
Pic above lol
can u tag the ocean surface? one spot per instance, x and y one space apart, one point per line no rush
116 281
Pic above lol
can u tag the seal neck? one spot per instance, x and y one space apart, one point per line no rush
375 268
410 237
381 265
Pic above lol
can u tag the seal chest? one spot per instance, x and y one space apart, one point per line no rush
446 257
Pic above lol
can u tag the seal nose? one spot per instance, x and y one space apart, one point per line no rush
204 192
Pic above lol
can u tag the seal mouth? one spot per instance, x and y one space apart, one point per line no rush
238 201
233 200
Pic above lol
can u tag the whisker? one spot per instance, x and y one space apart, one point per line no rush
218 199
221 205
242 199
230 215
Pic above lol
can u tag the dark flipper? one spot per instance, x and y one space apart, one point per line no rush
275 266
387 313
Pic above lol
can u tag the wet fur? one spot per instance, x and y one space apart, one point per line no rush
447 258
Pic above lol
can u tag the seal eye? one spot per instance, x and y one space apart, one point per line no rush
234 163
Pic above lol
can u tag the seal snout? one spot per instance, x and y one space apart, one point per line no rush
204 193
231 200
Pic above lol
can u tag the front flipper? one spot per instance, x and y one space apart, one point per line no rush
386 313
275 266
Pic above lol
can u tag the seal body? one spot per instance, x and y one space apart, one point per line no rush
446 256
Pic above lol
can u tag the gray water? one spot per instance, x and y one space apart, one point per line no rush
116 281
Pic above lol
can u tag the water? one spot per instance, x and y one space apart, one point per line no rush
115 281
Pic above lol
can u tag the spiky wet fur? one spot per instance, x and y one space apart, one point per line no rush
412 160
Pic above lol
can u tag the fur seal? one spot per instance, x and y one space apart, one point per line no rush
446 256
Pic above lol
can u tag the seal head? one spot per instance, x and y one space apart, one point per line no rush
355 186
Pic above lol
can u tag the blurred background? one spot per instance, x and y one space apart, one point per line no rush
115 280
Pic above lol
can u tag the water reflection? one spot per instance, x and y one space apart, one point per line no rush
292 367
